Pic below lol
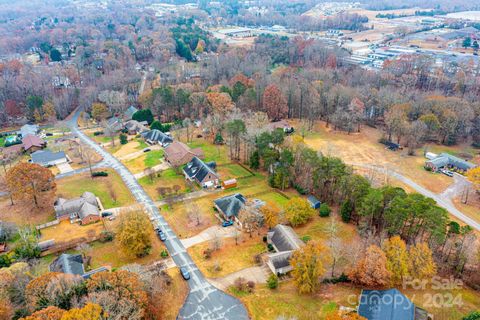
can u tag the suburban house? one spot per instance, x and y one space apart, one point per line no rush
282 124
33 143
128 114
72 264
27 129
134 127
230 206
157 137
314 202
284 241
114 124
202 173
48 158
446 160
84 209
389 305
178 153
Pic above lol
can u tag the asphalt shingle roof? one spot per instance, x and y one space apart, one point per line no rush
157 135
231 205
44 157
385 305
197 169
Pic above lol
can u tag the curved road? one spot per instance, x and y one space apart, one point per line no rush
442 201
204 300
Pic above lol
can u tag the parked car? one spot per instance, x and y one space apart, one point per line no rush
185 273
147 150
106 214
447 172
227 223
162 235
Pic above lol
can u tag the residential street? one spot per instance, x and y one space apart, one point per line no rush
443 199
204 300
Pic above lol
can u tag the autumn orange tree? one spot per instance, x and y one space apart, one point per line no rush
90 311
220 102
397 259
274 103
270 215
119 293
49 313
473 176
337 315
52 289
298 211
135 233
420 261
31 181
371 270
309 264
99 111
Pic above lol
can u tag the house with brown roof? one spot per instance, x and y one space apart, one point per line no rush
84 209
178 153
32 143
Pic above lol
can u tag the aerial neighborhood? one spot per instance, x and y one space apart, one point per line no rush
239 160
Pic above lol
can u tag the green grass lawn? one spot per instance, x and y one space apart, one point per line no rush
153 158
167 179
273 199
217 153
142 144
232 170
102 187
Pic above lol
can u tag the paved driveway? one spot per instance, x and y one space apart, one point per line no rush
204 300
64 167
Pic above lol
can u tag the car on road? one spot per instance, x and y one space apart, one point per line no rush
185 273
447 172
161 235
227 223
106 214
147 150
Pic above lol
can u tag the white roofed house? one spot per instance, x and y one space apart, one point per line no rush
285 241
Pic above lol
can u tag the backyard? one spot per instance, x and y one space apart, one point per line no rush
169 181
66 231
111 190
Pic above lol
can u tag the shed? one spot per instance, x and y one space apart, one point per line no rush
229 184
314 202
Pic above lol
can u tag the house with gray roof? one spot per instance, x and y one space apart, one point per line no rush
202 173
157 137
449 161
72 264
128 114
389 305
114 124
230 206
134 127
84 208
284 241
27 129
48 158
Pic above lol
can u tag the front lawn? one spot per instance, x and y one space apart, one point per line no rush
167 179
230 257
111 190
146 160
267 304
187 224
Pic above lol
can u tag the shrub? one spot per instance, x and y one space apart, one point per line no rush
475 315
123 139
324 210
5 260
164 253
300 189
428 168
99 174
306 238
207 253
272 281
264 239
98 133
270 247
106 236
241 285
341 278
